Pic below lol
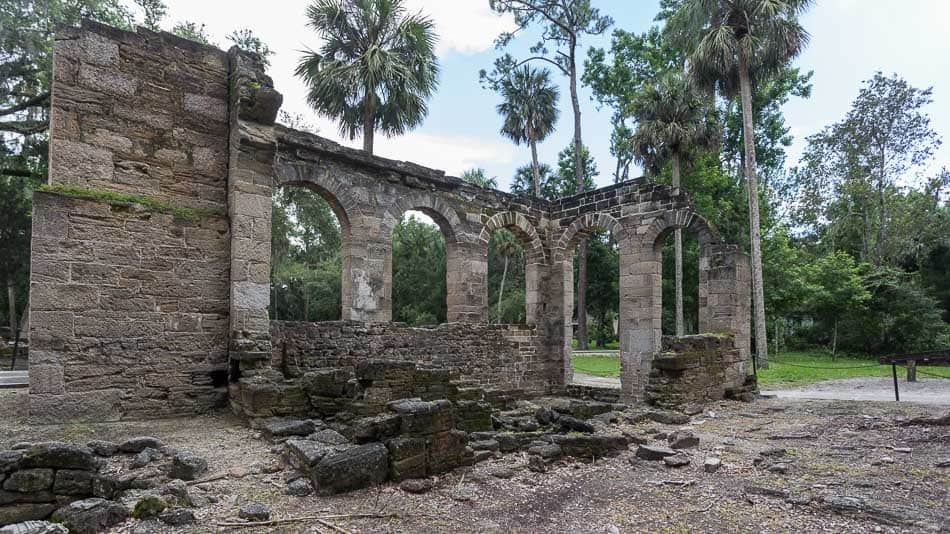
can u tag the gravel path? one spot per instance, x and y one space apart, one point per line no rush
582 379
926 390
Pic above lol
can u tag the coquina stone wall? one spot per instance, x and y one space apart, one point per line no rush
499 356
138 311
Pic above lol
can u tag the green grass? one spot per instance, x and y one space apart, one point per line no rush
785 370
597 365
150 203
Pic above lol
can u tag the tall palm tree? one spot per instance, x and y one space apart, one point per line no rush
508 247
375 69
732 44
529 111
672 118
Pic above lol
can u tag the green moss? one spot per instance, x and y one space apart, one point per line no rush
150 203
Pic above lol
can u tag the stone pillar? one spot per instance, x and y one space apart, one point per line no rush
725 293
641 293
367 272
254 105
466 285
533 296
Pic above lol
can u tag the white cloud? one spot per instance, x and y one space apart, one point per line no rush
453 154
464 26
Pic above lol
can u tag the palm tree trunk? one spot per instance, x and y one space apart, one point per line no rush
369 122
758 292
501 288
678 252
535 167
579 181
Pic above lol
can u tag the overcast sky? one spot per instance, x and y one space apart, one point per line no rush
851 39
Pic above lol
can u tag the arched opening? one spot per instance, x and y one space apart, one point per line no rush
420 258
309 254
506 278
690 283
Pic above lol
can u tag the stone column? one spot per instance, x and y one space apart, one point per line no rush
254 105
466 282
641 293
555 320
725 283
367 273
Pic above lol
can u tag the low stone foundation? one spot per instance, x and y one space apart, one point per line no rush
697 369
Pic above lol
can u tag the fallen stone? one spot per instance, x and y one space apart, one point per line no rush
353 468
693 408
175 493
328 437
144 458
73 482
546 450
29 480
546 416
105 449
187 465
10 460
34 527
416 485
903 450
481 456
138 444
90 516
485 445
536 464
304 453
57 455
572 424
288 427
149 506
587 446
667 417
378 428
608 418
712 464
683 439
26 511
502 472
677 460
254 511
300 487
883 460
463 493
767 491
177 517
799 499
781 468
649 452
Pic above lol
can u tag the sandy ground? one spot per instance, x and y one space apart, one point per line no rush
926 390
838 452
582 379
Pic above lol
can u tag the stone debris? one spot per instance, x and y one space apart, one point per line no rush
145 457
254 511
187 466
299 487
138 444
177 517
712 464
288 427
148 506
677 460
683 439
34 527
416 485
649 452
106 449
90 516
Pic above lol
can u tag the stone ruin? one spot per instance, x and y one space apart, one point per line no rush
155 304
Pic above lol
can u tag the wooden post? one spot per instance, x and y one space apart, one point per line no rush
897 395
911 370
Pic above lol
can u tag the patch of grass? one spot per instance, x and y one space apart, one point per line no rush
150 203
597 365
802 368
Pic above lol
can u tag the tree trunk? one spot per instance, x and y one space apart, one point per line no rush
834 341
866 235
579 181
501 288
758 292
879 260
369 122
11 303
678 239
535 168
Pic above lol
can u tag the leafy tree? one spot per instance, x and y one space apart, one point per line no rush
732 44
564 22
507 247
529 111
375 68
506 282
245 39
15 226
154 11
478 177
834 287
418 273
193 32
672 120
603 289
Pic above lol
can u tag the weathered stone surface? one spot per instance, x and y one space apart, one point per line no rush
90 516
288 427
103 448
187 466
328 436
683 439
254 511
588 446
59 456
424 417
677 460
34 527
378 428
304 454
29 480
147 456
16 513
572 424
177 517
139 444
712 464
356 467
148 506
416 485
299 487
648 452
667 417
73 482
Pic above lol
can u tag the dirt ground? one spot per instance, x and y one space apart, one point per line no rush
853 467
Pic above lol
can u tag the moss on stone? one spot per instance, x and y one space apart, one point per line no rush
150 203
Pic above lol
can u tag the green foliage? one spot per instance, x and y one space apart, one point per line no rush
478 177
603 286
15 228
529 105
150 203
154 12
375 68
246 40
506 279
418 273
193 32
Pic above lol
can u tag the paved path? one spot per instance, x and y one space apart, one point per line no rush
581 379
14 379
925 390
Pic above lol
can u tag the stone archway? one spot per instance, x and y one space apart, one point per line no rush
535 259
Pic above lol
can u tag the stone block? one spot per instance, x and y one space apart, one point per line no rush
356 467
47 379
73 482
29 480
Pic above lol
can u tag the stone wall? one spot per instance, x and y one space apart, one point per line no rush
499 356
698 369
128 311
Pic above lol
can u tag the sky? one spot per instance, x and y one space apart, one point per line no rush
850 40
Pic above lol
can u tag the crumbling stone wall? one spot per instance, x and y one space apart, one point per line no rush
500 356
185 126
698 369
